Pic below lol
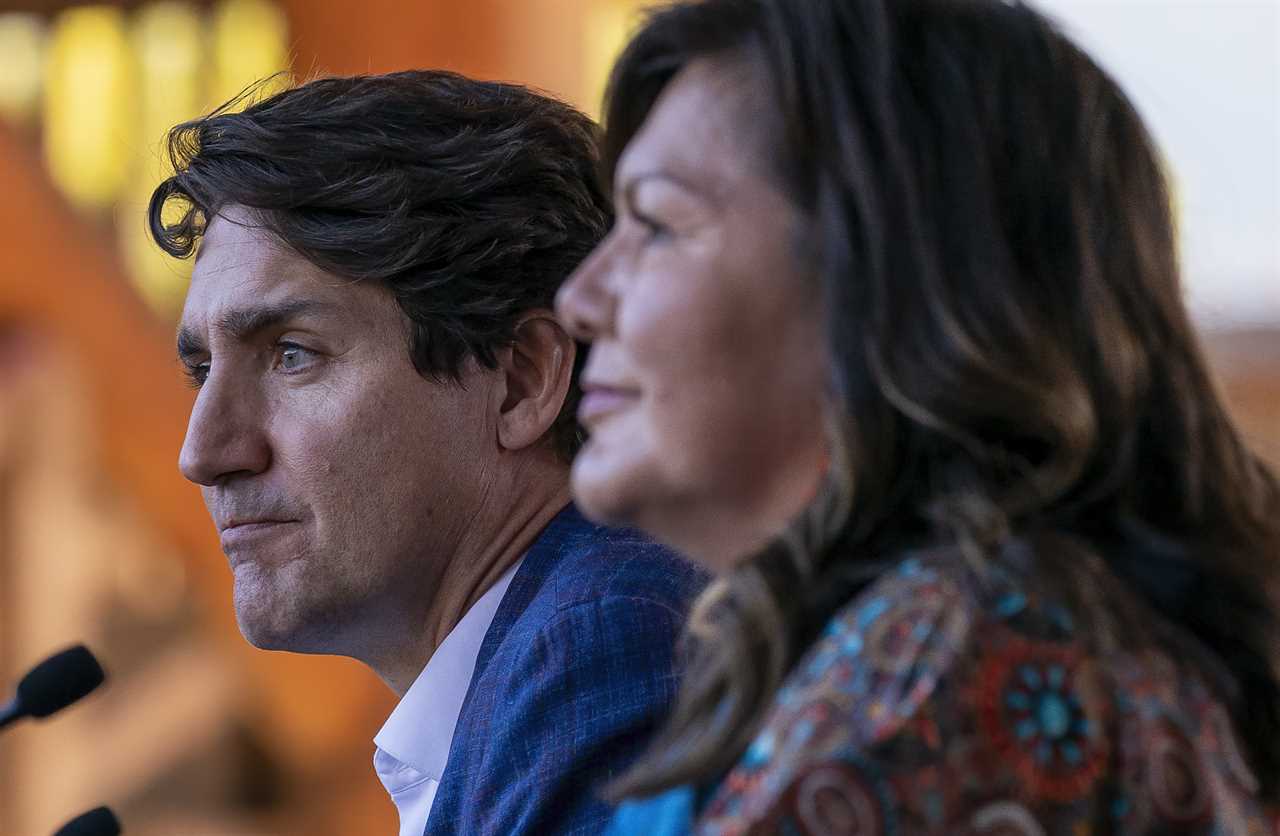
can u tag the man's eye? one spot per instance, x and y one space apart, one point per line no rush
293 357
197 375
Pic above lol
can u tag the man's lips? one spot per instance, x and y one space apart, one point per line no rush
241 533
599 401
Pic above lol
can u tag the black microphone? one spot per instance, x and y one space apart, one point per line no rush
53 685
97 822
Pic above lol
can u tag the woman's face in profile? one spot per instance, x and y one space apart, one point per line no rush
705 379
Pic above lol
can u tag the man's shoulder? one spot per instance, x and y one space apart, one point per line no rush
575 674
603 564
579 567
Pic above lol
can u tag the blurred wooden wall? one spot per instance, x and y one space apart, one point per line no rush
536 42
1247 363
61 280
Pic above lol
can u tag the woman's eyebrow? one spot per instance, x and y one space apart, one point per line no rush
687 185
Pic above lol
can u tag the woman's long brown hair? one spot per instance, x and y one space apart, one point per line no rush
1010 350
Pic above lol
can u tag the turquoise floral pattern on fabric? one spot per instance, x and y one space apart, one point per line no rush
936 703
668 814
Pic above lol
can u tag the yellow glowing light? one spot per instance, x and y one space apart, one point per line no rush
167 41
609 26
166 38
21 65
1177 203
89 126
249 44
158 277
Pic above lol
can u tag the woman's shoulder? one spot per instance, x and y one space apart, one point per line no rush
867 680
941 701
881 655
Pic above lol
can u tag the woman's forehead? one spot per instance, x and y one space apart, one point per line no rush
702 128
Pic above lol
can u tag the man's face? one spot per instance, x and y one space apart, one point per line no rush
339 478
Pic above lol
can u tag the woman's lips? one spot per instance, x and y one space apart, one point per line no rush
598 402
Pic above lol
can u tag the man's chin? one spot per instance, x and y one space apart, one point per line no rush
271 622
263 634
265 622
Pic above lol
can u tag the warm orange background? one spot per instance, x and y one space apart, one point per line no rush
91 402
90 392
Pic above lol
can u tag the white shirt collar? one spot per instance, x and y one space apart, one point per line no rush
419 731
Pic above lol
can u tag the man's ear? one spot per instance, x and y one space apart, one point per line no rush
537 369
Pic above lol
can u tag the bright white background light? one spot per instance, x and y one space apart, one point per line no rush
1205 74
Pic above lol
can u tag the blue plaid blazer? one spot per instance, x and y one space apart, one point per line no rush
575 674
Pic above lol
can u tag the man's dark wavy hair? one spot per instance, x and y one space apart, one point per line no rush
470 200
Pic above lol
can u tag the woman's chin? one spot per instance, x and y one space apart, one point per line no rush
600 486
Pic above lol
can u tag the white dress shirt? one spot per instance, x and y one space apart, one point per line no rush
413 745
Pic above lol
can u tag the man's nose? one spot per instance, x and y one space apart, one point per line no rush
225 435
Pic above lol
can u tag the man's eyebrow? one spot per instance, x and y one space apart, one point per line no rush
243 323
189 345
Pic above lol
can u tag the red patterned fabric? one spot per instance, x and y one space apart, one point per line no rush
938 704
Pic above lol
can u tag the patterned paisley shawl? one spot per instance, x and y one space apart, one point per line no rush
938 703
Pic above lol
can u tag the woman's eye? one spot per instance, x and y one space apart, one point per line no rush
652 228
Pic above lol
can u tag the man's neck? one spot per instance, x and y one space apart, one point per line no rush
498 535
